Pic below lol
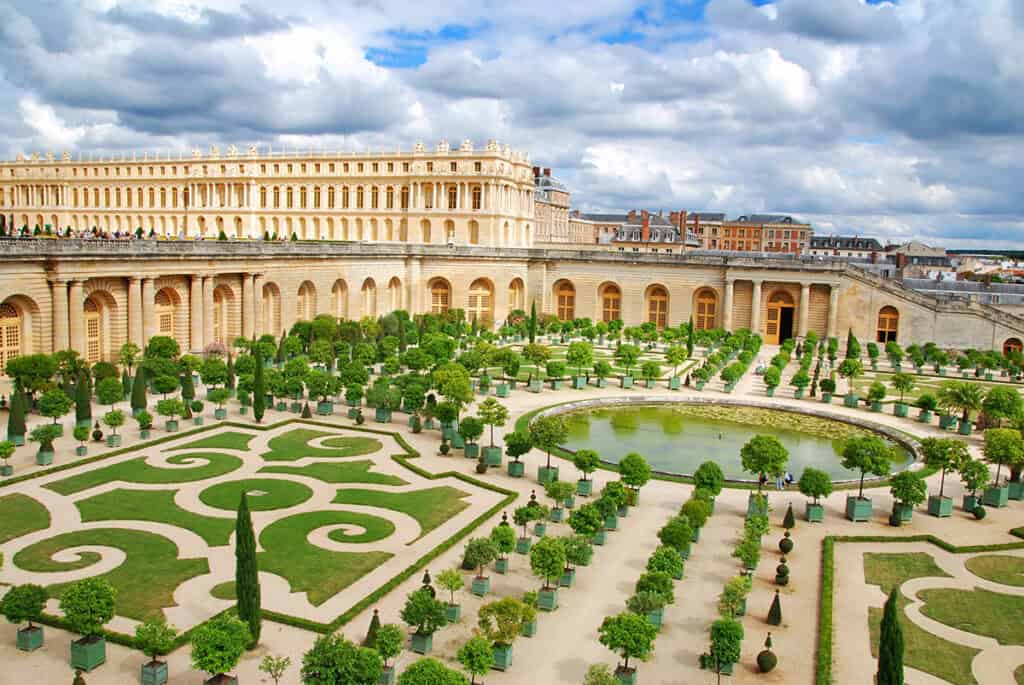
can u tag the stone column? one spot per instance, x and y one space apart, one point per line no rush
148 309
208 332
195 302
833 309
413 276
76 311
805 308
247 306
257 304
135 311
60 315
727 306
755 309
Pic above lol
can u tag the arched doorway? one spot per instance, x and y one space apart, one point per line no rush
11 334
565 299
93 331
369 296
223 297
481 302
516 294
657 306
1012 345
165 305
271 309
440 296
394 294
306 304
340 294
779 324
611 303
888 324
706 310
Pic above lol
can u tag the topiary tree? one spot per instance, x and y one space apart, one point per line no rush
634 472
471 428
504 539
1003 447
677 533
726 641
24 604
492 413
476 656
580 354
480 552
764 455
902 383
547 559
154 638
275 666
547 433
88 605
867 454
501 621
451 580
389 642
733 597
944 454
54 404
333 659
909 488
815 484
627 355
697 511
709 476
666 559
247 584
517 444
83 403
586 521
850 369
629 635
600 674
975 475
423 613
890 644
428 671
586 461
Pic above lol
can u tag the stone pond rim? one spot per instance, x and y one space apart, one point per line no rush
900 438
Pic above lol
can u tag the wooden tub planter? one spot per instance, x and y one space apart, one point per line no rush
171 426
547 598
970 503
602 382
534 385
472 450
501 566
547 474
757 505
814 513
964 428
421 643
80 451
940 507
584 487
674 383
569 502
387 675
998 496
540 529
858 509
556 514
579 382
611 522
502 654
947 422
481 585
900 410
220 413
453 612
523 545
221 679
1016 489
656 617
324 408
88 652
905 512
516 469
492 456
876 407
850 400
529 628
568 578
600 537
113 441
30 639
625 676
44 457
556 383
153 673
627 382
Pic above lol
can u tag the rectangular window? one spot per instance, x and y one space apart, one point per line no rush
477 167
453 167
430 167
391 167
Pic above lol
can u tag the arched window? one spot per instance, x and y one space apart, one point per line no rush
477 196
425 230
391 197
1013 345
316 197
440 296
374 197
369 296
449 231
888 324
481 301
657 306
271 309
93 331
405 197
10 334
394 294
165 301
339 293
306 302
330 197
516 299
277 197
453 197
474 233
706 310
565 296
221 298
359 197
302 197
611 303
344 197
290 195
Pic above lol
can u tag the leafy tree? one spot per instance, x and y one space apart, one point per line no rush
423 612
944 454
815 483
709 476
674 356
902 383
764 455
54 404
504 538
733 593
471 428
1003 446
876 391
165 384
162 347
867 454
333 659
634 471
128 355
960 396
627 634
890 644
547 433
908 487
389 642
559 491
547 559
676 533
627 355
87 605
451 580
501 621
16 413
259 390
975 475
7 449
430 671
492 413
1002 403
726 640
586 520
23 603
138 396
658 583
32 372
476 656
578 550
586 461
114 420
275 666
850 369
580 354
247 582
45 435
154 638
83 403
697 511
667 560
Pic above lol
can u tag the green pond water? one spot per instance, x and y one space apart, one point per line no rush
674 442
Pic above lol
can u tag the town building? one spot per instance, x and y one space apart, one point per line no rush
850 247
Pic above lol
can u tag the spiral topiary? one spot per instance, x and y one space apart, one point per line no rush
782 573
786 543
766 660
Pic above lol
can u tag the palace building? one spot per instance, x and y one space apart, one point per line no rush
420 231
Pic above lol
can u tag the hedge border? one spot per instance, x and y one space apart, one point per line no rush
523 422
404 460
823 667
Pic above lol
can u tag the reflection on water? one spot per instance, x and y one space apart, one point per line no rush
675 442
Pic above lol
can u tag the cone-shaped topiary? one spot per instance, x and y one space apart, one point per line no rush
890 644
138 398
259 388
775 612
16 418
371 633
789 521
306 413
766 660
83 403
786 543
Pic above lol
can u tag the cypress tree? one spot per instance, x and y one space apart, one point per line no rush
126 382
230 382
371 633
775 611
247 586
531 327
16 417
138 400
83 403
402 343
188 390
280 349
259 392
689 339
890 645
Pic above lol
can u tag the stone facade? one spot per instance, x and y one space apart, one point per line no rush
93 296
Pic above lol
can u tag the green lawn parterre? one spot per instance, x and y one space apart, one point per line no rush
228 440
977 611
21 515
264 494
430 507
999 568
339 472
294 445
207 465
157 506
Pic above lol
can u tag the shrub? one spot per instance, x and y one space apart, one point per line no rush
87 605
24 603
709 476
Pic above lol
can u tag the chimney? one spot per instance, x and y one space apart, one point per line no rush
536 171
681 222
547 171
645 228
696 228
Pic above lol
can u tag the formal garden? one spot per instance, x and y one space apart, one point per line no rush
411 495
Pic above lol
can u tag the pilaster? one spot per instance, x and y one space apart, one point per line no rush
727 305
195 302
805 308
76 311
148 309
59 289
135 315
755 308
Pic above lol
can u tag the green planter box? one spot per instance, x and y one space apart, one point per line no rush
197 420
88 653
18 440
814 513
44 457
924 416
625 676
970 503
584 487
700 385
221 414
382 415
492 456
681 574
81 451
569 502
458 441
656 617
324 408
684 551
502 657
221 679
1016 490
387 675
850 400
826 398
602 382
556 514
579 382
600 537
529 628
171 426
556 383
144 434
281 406
353 412
623 511
547 599
296 407
113 441
627 382
523 545
741 610
6 470
904 511
501 390
964 428
30 639
876 407
940 507
858 509
421 644
695 537
501 566
153 673
649 383
534 385
997 497
568 578
900 410
547 474
453 612
798 394
611 523
472 451
947 422
481 586
770 391
540 529
674 383
516 469
757 506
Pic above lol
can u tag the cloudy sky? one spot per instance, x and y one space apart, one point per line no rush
892 119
